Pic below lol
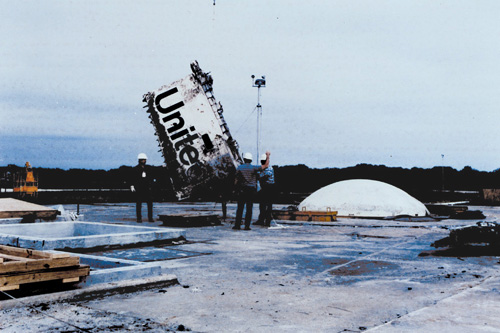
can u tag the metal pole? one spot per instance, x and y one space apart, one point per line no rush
259 123
259 83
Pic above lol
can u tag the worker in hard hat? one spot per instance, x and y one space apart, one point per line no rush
141 185
246 188
266 193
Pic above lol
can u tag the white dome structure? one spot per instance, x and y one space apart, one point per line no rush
364 198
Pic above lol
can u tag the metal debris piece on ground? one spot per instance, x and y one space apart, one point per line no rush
483 233
190 220
453 211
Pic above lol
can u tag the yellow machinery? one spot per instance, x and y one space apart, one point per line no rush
25 183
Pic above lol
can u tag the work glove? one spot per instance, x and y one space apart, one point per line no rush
132 188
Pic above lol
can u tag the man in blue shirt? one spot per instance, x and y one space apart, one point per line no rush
266 194
246 186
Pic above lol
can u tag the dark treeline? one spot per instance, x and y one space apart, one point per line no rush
83 178
293 182
300 178
424 184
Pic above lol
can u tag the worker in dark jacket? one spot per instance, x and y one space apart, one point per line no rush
141 185
246 188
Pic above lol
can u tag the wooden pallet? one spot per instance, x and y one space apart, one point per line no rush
314 216
21 266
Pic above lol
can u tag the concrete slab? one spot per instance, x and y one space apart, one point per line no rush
93 292
304 279
107 270
474 309
15 220
62 235
356 276
147 253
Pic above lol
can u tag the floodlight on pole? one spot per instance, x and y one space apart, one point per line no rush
259 83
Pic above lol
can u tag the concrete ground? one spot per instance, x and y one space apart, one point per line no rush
351 276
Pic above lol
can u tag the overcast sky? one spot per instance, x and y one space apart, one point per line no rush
399 83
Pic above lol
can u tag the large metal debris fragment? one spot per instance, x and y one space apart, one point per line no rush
193 136
454 211
482 234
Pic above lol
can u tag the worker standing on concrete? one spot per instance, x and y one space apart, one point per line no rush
224 193
222 190
246 188
141 185
266 194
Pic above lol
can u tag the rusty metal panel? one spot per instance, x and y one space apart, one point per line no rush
193 136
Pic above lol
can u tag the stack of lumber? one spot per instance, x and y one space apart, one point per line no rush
21 266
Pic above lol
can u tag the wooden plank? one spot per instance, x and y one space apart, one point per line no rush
315 212
28 253
59 255
7 281
15 258
305 215
39 264
12 287
1 260
76 279
22 252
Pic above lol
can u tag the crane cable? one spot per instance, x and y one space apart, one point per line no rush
245 121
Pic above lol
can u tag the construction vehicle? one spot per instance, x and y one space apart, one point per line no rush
25 182
193 137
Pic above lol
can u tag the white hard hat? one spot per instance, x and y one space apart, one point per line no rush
142 156
263 157
247 156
